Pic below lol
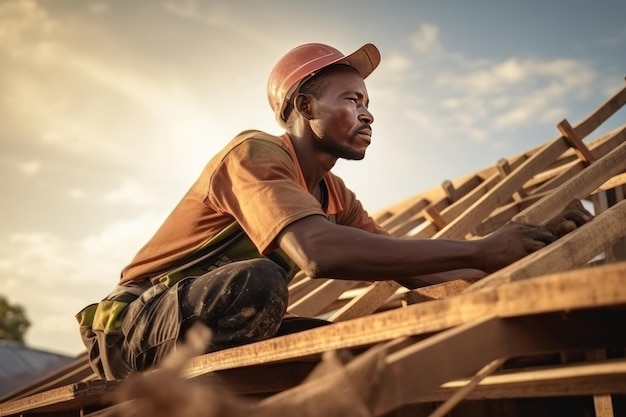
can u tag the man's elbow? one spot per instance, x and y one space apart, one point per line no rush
321 266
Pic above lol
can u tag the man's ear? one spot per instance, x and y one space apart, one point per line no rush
302 103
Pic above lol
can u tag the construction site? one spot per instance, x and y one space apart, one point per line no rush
542 337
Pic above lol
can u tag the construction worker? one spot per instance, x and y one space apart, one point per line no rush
267 206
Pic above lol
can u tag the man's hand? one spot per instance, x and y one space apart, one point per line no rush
572 217
514 240
511 242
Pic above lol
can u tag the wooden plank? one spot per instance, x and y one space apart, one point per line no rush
598 146
599 116
465 390
558 175
304 287
404 214
602 201
505 169
579 186
368 302
466 194
459 207
503 215
320 298
575 142
57 399
436 292
502 192
434 217
603 404
591 287
586 378
483 341
616 181
536 163
571 251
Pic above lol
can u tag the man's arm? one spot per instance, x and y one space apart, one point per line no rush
323 249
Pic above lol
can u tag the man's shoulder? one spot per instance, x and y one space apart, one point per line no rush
257 136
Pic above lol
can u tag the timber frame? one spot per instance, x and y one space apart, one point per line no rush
543 336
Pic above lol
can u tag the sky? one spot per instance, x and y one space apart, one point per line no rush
110 109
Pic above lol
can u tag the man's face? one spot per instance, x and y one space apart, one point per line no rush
340 118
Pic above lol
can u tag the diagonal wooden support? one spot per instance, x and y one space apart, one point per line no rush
571 251
368 302
598 147
460 206
505 169
450 191
458 396
593 287
304 287
536 163
575 142
484 341
579 186
403 215
434 216
320 298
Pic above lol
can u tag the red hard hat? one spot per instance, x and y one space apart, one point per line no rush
303 62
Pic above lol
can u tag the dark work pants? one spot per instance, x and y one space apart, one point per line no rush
241 302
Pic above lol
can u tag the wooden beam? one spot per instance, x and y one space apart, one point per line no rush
590 287
320 298
502 192
575 142
459 207
585 378
536 163
368 302
571 251
57 399
579 186
486 340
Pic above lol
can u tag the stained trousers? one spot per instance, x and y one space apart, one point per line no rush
241 302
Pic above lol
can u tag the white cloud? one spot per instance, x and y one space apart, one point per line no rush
120 240
30 168
426 39
54 277
223 16
482 100
130 192
24 18
398 63
75 193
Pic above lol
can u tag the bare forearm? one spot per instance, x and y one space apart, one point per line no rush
347 253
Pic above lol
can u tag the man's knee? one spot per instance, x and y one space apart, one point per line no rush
241 302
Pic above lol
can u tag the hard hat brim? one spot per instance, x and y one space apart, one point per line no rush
364 60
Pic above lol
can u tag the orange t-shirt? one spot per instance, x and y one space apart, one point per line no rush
255 181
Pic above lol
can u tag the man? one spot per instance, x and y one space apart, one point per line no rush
266 207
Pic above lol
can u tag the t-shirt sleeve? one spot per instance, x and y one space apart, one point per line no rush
256 183
353 214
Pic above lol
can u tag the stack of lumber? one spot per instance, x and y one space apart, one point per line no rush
543 336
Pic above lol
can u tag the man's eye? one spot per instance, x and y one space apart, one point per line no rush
352 99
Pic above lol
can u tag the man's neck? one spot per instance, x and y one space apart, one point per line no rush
313 163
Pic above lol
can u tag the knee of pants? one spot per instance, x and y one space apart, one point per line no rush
263 280
252 283
241 302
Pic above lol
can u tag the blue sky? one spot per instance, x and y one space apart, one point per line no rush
111 108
